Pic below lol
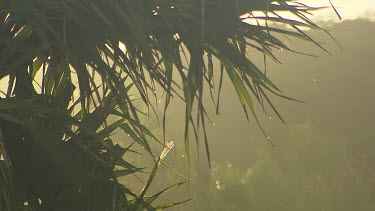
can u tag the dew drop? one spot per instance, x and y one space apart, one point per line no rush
218 187
213 124
128 135
268 137
270 118
217 182
230 165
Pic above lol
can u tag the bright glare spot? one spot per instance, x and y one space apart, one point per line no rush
128 135
19 31
122 46
172 7
270 118
176 36
167 148
230 165
218 187
157 7
268 137
213 124
6 17
183 156
159 101
217 182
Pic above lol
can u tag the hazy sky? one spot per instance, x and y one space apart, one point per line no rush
348 9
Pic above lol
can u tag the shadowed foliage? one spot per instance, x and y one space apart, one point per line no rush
72 64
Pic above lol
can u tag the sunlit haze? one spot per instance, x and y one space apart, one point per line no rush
348 9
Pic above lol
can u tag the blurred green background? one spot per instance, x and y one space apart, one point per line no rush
323 157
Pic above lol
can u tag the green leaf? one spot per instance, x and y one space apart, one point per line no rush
124 172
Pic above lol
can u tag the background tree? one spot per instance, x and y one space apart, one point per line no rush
72 64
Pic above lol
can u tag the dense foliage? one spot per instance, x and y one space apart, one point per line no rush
309 171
